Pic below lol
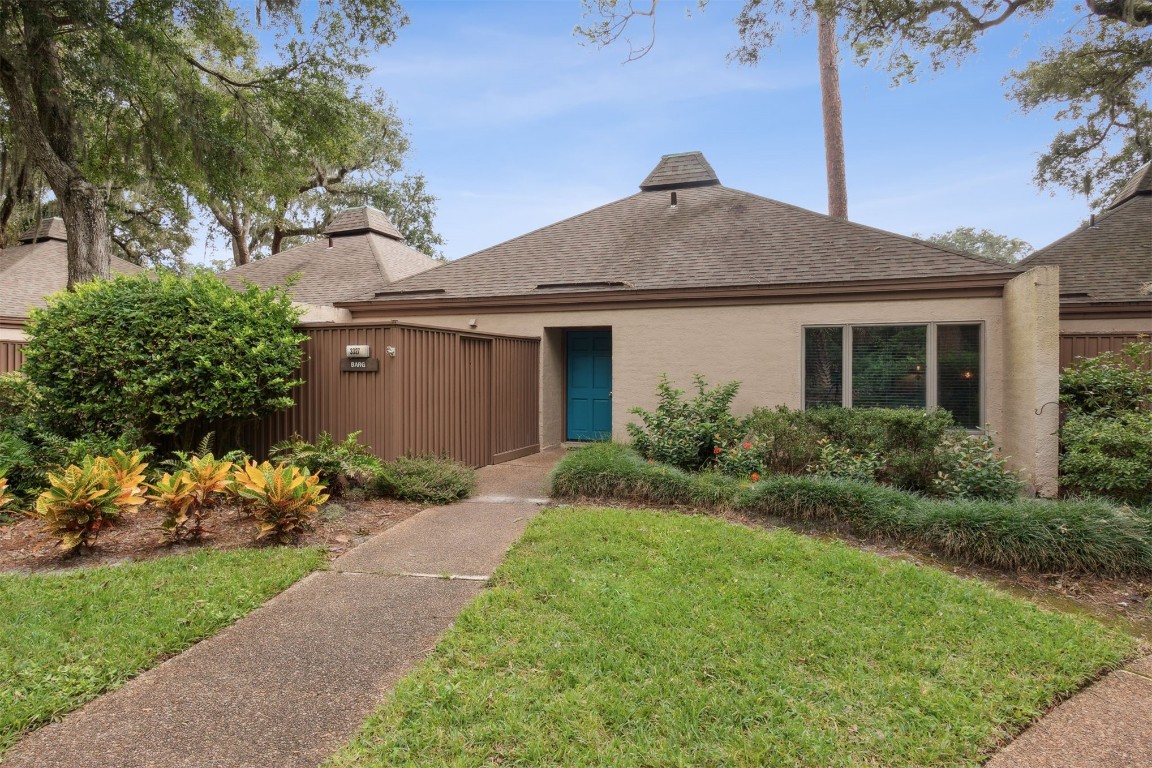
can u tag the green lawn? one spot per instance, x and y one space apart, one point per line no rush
68 637
630 638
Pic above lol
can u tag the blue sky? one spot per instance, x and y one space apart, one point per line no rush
517 125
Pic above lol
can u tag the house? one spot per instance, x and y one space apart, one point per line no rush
689 276
361 251
31 271
1105 274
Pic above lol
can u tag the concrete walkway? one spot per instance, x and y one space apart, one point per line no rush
290 683
1107 724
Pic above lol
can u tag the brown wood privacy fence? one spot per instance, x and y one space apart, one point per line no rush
474 397
1074 346
11 355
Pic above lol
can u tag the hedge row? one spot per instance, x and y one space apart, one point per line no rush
1084 536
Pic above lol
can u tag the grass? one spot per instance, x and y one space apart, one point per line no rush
640 638
68 637
1086 536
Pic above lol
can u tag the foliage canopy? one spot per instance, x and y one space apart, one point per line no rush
169 357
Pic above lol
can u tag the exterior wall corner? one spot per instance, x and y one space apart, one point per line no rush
1032 377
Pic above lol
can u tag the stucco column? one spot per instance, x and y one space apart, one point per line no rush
1032 377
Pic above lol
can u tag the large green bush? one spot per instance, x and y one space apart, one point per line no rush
18 399
1108 456
1106 438
170 357
1110 383
686 433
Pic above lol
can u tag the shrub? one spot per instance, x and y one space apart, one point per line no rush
425 479
341 466
18 399
904 439
744 458
168 357
971 469
283 499
1108 456
841 463
1110 383
83 499
189 495
787 440
685 433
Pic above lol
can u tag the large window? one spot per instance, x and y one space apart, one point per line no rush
932 365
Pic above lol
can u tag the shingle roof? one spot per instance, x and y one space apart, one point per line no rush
1109 261
362 258
48 229
687 169
1139 184
30 272
353 221
715 237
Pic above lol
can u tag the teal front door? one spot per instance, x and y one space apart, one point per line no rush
589 385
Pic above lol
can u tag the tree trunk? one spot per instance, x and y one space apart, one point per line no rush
46 126
829 55
239 229
85 215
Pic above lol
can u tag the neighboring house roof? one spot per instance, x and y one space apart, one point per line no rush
714 237
38 267
362 253
1109 261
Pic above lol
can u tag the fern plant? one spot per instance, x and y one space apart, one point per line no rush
341 465
282 498
82 500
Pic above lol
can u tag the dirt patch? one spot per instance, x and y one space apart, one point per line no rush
340 525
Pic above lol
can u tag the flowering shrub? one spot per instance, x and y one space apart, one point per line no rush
971 469
742 459
838 461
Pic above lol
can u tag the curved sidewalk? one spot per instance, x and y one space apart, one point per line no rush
291 682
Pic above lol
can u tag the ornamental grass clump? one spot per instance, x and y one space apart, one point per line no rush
425 479
281 498
83 499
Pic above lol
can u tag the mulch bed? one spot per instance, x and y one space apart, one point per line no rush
340 525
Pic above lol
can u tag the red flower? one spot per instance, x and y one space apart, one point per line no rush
755 476
716 449
747 446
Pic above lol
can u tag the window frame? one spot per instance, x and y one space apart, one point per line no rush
932 383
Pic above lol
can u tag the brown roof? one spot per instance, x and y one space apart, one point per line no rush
48 229
366 255
1110 260
30 272
715 237
1139 184
687 169
352 221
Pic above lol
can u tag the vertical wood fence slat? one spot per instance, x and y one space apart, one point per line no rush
473 397
1074 346
11 355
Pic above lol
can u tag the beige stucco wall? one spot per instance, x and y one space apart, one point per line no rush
1108 325
1032 377
11 334
322 313
760 346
